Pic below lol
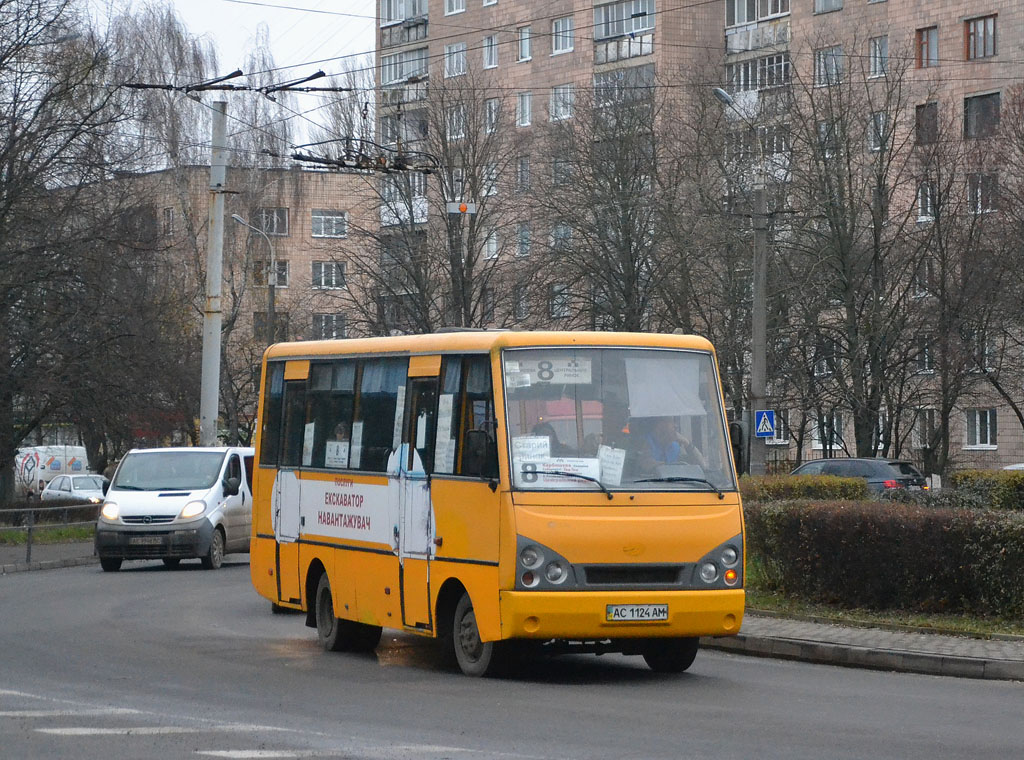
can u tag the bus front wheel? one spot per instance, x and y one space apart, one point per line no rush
335 634
671 655
475 657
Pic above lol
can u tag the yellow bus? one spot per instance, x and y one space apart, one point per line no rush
495 489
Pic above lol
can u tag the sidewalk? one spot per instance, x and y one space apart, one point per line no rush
764 635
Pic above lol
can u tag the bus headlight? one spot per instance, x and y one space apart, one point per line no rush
110 510
729 556
709 572
531 557
555 572
193 509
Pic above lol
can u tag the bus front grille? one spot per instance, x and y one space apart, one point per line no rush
633 575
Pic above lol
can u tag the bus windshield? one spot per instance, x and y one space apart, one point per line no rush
615 419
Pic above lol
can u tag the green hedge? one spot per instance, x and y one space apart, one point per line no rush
997 489
780 487
884 555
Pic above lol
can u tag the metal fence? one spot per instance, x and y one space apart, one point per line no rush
32 520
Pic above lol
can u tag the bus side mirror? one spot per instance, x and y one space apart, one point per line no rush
231 486
479 455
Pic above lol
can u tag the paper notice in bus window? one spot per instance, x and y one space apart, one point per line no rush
531 447
444 459
396 436
307 444
421 431
536 473
611 464
512 368
357 445
336 454
445 455
518 379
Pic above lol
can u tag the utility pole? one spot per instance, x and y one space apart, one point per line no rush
758 326
212 316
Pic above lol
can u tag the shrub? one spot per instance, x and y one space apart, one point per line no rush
786 487
998 489
883 555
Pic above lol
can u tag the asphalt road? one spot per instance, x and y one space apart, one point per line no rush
153 663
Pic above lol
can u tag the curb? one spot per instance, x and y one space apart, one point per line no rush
845 655
50 564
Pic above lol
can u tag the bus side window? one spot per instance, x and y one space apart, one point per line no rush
294 423
273 400
331 404
479 440
449 404
373 428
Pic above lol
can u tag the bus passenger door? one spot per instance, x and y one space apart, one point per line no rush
288 486
416 518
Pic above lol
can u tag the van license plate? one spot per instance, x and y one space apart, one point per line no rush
632 612
146 540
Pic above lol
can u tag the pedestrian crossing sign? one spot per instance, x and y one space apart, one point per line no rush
764 423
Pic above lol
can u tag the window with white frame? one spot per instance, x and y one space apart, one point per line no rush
490 2
878 129
455 59
982 192
454 6
740 12
824 6
394 11
827 431
490 179
398 67
742 76
523 173
492 107
773 71
456 190
523 239
981 429
767 8
524 109
780 437
562 35
456 122
828 66
828 140
925 360
273 221
491 245
326 223
559 301
168 221
328 326
927 200
878 52
328 275
924 427
622 18
561 235
563 96
561 171
924 277
524 50
490 49
520 302
981 348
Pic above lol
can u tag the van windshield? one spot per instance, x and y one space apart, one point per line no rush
617 418
168 470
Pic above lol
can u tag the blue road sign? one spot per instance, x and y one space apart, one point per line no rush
764 423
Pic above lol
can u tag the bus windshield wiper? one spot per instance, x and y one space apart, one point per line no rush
573 475
680 479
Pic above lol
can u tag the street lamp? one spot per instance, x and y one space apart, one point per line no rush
758 317
271 276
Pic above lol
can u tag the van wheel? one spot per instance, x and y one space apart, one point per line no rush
475 657
337 635
671 655
172 562
215 555
110 564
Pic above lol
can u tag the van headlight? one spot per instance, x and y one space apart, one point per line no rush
110 510
193 509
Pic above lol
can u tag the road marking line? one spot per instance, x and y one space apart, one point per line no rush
149 730
67 713
246 754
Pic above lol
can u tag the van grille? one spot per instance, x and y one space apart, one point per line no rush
633 575
148 519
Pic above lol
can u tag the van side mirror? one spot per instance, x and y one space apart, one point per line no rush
231 486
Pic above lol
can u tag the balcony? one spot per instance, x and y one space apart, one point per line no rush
409 30
741 39
403 93
623 48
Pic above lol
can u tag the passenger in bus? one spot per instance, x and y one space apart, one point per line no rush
663 444
342 431
558 449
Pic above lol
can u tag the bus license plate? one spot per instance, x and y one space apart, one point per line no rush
633 612
146 540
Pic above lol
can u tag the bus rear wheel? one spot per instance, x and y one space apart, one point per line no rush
335 634
475 657
671 655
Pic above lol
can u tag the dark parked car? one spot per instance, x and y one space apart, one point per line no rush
885 477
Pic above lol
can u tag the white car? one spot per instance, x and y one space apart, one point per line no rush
1019 466
86 488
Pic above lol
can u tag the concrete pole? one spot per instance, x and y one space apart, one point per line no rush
758 326
209 396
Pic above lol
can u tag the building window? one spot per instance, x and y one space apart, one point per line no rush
828 140
561 35
827 432
524 109
168 222
981 429
773 71
523 239
490 51
328 326
878 48
273 221
981 115
828 66
982 350
766 8
927 199
622 18
559 303
561 234
520 302
490 2
825 359
982 192
491 109
456 189
878 130
926 123
562 98
329 224
523 173
455 59
491 245
490 179
926 42
456 122
525 50
924 277
781 435
561 171
454 6
925 359
328 275
980 37
824 6
400 66
924 427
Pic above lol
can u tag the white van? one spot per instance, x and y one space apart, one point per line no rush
175 504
